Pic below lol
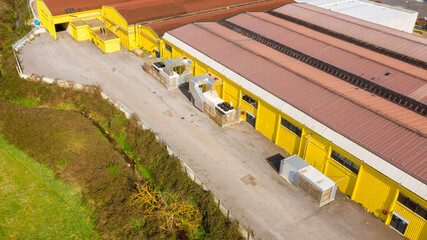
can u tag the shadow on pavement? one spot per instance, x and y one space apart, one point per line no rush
274 161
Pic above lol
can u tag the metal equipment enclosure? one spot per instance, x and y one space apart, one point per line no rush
319 188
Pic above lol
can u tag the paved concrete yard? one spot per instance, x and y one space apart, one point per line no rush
221 158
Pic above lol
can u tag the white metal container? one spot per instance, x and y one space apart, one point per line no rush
318 187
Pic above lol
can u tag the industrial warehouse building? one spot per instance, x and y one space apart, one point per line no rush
136 23
346 95
351 105
394 17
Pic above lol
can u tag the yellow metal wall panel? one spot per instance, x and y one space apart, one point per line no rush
417 227
97 41
267 118
149 39
315 151
232 93
375 191
199 68
66 18
176 52
112 45
342 176
83 33
166 53
123 36
80 33
133 37
288 140
46 18
110 14
74 32
116 23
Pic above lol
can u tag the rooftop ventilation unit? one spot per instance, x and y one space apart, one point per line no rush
70 10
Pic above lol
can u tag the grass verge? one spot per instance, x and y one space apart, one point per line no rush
35 205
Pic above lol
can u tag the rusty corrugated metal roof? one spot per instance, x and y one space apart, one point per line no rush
351 112
143 11
383 37
58 7
163 26
343 55
138 11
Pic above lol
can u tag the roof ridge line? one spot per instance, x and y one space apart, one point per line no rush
318 84
409 74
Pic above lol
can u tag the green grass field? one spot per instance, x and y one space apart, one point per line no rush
36 205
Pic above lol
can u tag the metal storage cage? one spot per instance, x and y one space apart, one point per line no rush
319 188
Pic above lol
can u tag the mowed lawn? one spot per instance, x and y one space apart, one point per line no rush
36 205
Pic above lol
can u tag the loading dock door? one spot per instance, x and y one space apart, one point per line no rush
399 223
250 118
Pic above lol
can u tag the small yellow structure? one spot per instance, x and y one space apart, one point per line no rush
94 30
105 26
131 36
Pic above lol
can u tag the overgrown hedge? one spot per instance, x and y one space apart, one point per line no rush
151 158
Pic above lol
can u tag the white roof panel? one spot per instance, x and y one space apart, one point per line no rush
365 10
317 178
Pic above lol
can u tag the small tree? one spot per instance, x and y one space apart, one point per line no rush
172 210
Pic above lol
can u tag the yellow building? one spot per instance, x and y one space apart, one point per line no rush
83 25
131 22
296 106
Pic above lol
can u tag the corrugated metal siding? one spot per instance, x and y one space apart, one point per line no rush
375 192
416 227
345 116
330 52
398 41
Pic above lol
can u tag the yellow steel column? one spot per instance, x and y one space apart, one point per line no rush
276 139
223 89
239 101
301 140
53 30
161 46
325 166
391 209
356 185
257 114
